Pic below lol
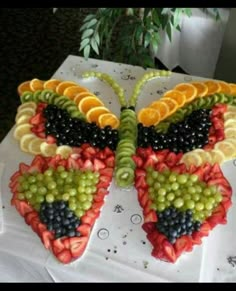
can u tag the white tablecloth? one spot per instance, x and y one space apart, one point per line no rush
118 250
196 48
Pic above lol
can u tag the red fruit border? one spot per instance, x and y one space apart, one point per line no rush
67 249
212 175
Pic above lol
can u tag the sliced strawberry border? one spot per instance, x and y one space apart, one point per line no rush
165 159
67 249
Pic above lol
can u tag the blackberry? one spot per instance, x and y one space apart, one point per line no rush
59 219
174 223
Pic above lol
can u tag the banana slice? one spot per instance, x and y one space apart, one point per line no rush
204 155
25 140
232 140
226 148
231 108
230 132
64 151
191 158
34 146
27 105
23 119
217 156
229 115
230 123
48 150
28 111
21 130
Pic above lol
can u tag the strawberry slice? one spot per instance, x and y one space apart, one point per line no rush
30 216
110 161
57 246
47 238
183 244
98 165
84 229
50 139
78 245
24 208
37 119
169 251
150 217
23 168
149 227
64 256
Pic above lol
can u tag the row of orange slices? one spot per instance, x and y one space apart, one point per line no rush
88 103
181 94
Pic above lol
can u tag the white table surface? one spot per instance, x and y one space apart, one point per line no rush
123 253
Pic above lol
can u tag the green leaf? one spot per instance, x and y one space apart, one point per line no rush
146 12
178 28
92 22
138 32
155 17
188 12
83 43
164 21
177 15
147 39
86 52
89 17
97 38
154 45
168 30
94 46
87 33
165 10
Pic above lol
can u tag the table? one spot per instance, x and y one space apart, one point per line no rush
196 48
118 250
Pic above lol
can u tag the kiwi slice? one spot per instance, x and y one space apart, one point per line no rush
36 96
71 108
124 176
45 95
52 98
58 99
67 104
26 97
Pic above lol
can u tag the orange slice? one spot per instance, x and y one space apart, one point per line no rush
108 119
172 105
162 108
77 98
89 102
233 88
94 113
224 87
72 91
51 84
202 88
148 116
213 87
25 86
63 85
178 96
188 90
36 84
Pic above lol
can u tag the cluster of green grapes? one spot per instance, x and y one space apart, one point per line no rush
75 186
139 85
110 81
182 191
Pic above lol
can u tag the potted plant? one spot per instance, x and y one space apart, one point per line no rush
130 35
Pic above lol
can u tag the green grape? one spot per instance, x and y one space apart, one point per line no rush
194 178
63 175
48 172
196 197
207 192
208 206
160 207
172 177
55 192
218 197
72 206
39 199
82 197
79 212
21 179
28 194
161 178
69 180
72 192
174 186
199 206
154 175
160 199
161 192
49 198
182 179
198 189
192 190
52 185
167 187
25 185
33 188
178 193
65 196
37 206
90 197
157 185
153 206
187 197
213 189
179 202
21 196
60 169
151 195
60 182
150 181
32 179
39 177
190 204
88 190
81 189
86 205
170 196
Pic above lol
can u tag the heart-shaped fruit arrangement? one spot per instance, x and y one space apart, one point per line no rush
170 151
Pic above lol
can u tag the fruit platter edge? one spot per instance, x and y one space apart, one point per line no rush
129 212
